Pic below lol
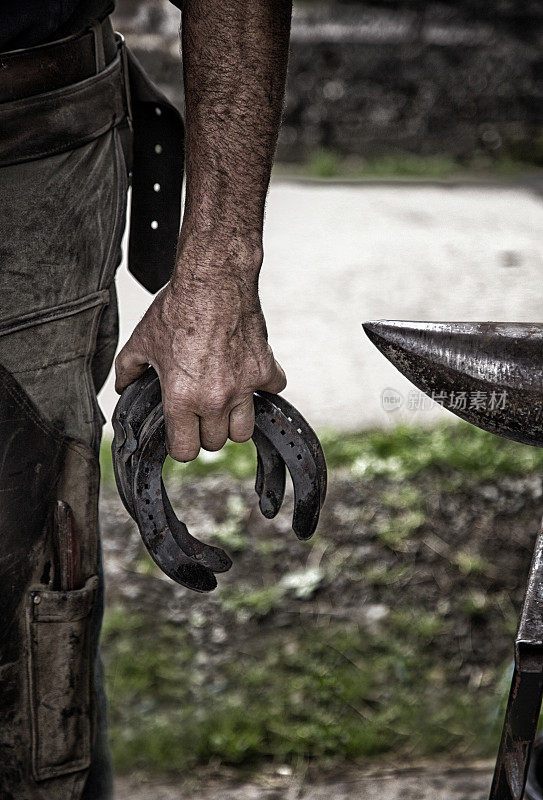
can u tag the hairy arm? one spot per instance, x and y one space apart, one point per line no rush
205 333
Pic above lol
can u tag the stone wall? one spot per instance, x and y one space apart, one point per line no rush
376 78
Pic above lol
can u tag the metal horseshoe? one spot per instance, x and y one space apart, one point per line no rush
283 439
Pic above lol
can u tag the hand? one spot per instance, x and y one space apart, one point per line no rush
209 346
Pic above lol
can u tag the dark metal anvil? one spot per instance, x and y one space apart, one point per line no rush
490 374
282 437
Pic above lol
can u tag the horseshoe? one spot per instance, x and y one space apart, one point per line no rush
295 451
282 438
270 476
153 510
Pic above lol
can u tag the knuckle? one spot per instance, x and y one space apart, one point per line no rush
216 399
267 369
120 362
177 397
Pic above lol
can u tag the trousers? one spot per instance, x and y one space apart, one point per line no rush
61 225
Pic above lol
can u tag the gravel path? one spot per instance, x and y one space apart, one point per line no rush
439 782
340 254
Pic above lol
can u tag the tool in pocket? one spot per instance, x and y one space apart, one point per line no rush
67 556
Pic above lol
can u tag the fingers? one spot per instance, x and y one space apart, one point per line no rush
187 432
194 420
182 431
191 425
242 420
277 382
129 365
213 431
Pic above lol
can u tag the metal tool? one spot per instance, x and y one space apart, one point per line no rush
66 548
283 439
496 369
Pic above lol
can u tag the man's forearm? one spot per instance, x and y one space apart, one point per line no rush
234 60
205 332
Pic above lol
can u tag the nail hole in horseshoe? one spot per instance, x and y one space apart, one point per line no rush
299 457
283 433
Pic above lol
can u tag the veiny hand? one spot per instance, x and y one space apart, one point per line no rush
209 346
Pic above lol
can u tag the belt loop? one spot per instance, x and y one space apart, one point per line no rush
126 76
99 55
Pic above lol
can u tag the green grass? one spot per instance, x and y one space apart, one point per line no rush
408 516
326 164
229 533
395 533
400 453
471 563
237 460
317 691
246 603
408 451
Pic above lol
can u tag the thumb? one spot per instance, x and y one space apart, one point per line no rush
129 365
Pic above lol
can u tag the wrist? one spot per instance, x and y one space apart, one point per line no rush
223 258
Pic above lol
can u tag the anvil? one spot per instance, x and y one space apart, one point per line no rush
490 374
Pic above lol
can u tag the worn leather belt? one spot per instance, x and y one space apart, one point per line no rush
62 95
282 437
34 70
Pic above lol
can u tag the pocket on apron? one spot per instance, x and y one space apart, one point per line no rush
58 632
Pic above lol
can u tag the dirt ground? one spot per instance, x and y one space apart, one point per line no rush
443 549
465 556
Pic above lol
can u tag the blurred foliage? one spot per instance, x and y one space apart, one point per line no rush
407 451
326 691
328 164
327 688
397 453
229 533
237 460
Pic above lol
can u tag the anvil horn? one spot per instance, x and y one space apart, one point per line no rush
488 373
